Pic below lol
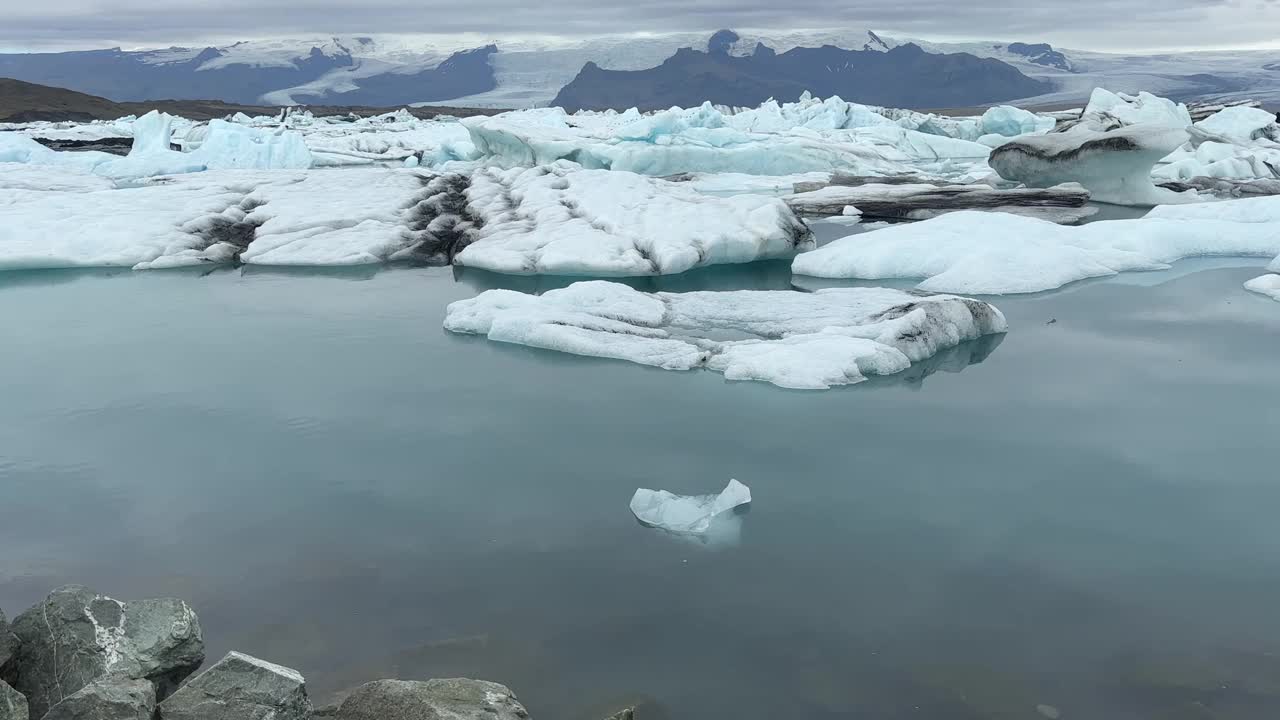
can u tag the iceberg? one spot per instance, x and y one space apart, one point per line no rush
105 227
791 339
1221 161
392 138
995 253
225 145
1236 143
1237 125
1009 121
1110 111
718 150
557 220
1114 165
707 140
1268 285
563 220
275 217
687 514
230 145
916 201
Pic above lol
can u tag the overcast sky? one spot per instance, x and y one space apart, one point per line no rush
1080 24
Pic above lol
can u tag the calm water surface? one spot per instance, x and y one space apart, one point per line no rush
1084 519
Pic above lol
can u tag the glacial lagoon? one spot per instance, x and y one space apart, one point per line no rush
1079 515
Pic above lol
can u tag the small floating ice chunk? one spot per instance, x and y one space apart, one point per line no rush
1268 285
687 514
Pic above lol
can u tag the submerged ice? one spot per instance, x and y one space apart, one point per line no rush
791 339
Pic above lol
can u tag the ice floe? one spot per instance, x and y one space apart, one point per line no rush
792 339
557 219
687 514
996 253
915 201
562 219
1268 285
1236 143
1114 165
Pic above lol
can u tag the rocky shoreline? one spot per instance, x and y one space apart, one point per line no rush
80 655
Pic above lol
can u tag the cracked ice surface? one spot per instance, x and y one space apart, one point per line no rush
556 219
561 219
791 339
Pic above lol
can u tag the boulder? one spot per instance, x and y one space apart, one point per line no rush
240 687
108 698
12 705
637 708
456 699
8 641
76 636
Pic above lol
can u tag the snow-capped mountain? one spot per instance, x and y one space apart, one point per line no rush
483 71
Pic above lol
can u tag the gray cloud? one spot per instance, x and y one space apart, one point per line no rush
1087 24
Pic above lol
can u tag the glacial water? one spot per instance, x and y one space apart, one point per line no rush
1084 520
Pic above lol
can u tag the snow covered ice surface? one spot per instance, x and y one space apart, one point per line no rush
1236 143
267 217
688 514
561 219
994 253
792 339
558 219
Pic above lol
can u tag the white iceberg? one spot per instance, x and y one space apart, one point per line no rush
387 139
105 227
1009 121
325 217
917 201
1108 110
705 139
1268 285
1238 125
687 514
225 145
1114 165
558 219
231 145
792 339
562 219
995 253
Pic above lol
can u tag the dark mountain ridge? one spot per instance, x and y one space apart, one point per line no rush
125 76
905 76
28 102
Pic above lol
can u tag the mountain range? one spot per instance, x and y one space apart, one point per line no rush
649 71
